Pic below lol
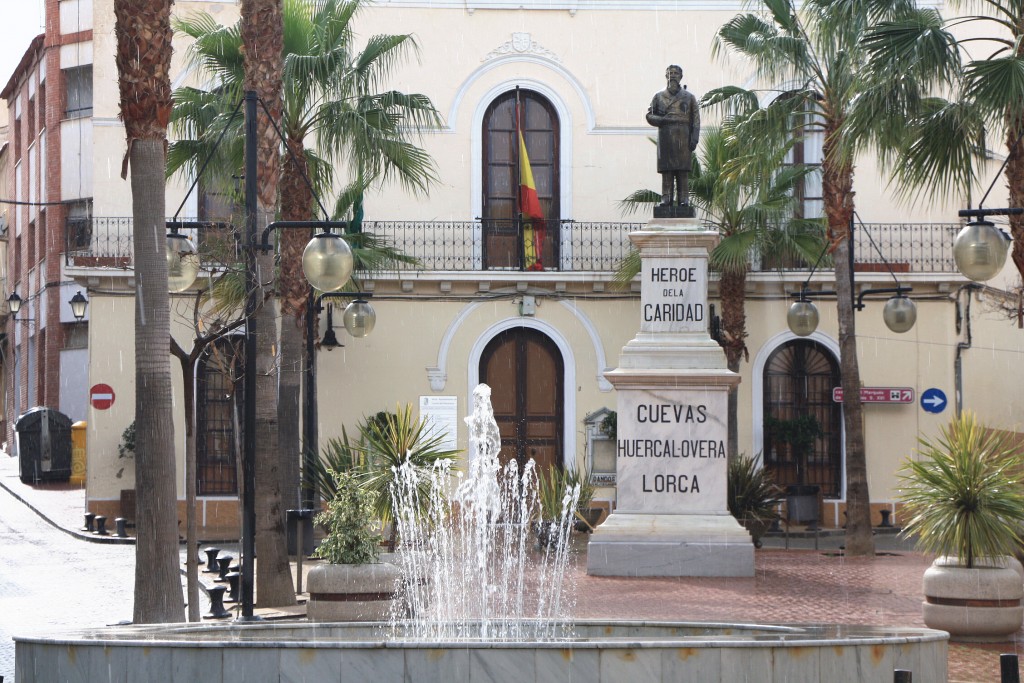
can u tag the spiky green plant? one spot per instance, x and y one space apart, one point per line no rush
751 493
339 454
964 496
389 442
551 487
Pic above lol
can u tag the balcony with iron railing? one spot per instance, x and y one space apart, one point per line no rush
489 245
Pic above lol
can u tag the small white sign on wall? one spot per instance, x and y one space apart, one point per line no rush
441 413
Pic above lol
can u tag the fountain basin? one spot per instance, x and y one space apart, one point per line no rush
599 652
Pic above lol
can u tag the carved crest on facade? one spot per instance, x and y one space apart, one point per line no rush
521 43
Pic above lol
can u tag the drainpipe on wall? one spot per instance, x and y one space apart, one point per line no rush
963 320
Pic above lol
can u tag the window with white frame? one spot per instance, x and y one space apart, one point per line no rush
78 92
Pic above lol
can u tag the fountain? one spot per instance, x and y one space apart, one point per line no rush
477 614
473 537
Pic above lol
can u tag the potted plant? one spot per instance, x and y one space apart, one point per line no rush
126 453
551 491
964 502
752 495
352 585
798 433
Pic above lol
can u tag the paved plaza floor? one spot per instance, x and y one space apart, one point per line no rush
798 585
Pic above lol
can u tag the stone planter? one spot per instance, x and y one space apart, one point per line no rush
757 526
980 604
591 516
351 592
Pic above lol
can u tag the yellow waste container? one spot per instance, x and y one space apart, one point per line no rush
78 453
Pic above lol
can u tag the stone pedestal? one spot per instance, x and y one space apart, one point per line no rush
672 385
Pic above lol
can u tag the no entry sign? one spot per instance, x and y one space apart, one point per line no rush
101 396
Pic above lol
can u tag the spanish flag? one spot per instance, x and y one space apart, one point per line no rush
529 209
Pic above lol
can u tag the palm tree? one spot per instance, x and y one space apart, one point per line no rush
261 32
143 32
749 198
815 57
332 91
946 136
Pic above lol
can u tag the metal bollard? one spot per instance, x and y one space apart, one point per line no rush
886 522
199 552
211 560
217 610
1009 670
232 578
101 526
121 531
89 517
902 676
225 566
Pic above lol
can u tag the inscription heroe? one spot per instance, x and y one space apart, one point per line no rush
674 274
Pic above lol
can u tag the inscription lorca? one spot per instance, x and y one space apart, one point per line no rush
670 483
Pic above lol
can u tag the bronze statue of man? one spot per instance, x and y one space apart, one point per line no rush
676 113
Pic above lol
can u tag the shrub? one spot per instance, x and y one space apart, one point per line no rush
350 523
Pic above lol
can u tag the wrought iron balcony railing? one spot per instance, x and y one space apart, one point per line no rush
507 245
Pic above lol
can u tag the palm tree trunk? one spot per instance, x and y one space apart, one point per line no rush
837 190
158 595
1015 183
263 43
143 33
733 285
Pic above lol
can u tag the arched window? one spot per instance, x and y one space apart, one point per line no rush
502 241
219 417
803 425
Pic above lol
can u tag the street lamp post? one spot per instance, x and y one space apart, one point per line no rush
327 264
78 305
899 313
980 248
359 321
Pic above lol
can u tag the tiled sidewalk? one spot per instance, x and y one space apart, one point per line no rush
794 586
789 586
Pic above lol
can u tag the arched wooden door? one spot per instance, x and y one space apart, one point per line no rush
525 371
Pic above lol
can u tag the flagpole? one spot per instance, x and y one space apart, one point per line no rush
518 218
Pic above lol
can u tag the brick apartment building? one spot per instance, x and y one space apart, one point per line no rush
49 102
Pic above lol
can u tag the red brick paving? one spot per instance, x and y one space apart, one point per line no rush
791 586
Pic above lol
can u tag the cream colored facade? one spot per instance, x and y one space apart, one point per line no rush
597 63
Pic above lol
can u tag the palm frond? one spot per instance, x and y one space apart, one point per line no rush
639 200
996 86
943 149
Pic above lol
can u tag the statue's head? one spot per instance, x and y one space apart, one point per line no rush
674 76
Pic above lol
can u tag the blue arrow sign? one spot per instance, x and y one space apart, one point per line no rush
933 400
